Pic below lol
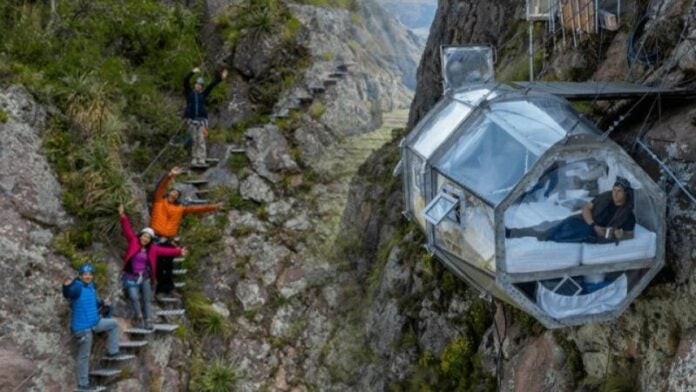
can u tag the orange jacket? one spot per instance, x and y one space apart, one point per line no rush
166 216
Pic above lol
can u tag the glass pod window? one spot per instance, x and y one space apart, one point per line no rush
439 208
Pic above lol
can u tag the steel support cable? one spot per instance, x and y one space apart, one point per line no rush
667 170
663 81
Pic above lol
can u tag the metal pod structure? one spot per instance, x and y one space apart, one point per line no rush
490 160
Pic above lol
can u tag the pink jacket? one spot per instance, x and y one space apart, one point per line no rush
154 251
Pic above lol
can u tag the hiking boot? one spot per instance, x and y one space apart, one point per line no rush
86 388
114 355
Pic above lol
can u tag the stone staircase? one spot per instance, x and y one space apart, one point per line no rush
303 97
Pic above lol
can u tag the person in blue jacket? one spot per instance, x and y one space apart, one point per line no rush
196 113
86 319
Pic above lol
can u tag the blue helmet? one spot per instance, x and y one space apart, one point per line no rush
86 268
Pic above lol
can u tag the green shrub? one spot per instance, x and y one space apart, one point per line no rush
316 110
203 317
4 117
217 376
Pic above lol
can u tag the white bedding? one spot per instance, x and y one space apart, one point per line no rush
527 254
641 246
532 214
562 306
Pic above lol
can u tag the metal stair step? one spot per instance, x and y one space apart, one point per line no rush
105 372
179 259
171 312
164 327
169 300
237 150
138 331
133 343
120 358
212 161
181 271
199 181
96 388
180 285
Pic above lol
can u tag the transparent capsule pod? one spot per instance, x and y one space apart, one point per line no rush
524 199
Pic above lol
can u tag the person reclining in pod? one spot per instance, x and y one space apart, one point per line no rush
608 218
196 113
166 217
140 266
86 319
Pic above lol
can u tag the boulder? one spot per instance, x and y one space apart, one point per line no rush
269 153
255 54
250 294
540 366
255 188
26 177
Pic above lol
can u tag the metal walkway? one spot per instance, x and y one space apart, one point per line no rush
603 91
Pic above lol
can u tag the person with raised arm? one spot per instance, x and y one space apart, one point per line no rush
140 266
86 319
167 213
196 112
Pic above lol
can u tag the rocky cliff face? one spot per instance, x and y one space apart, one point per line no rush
271 272
36 346
651 346
375 55
459 22
32 330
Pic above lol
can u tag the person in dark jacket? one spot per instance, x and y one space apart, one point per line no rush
86 320
609 218
196 114
140 267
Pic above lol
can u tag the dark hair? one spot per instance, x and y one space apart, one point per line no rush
178 196
623 212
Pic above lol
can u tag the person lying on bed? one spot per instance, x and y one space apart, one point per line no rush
608 218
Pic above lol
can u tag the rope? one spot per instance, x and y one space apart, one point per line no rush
157 157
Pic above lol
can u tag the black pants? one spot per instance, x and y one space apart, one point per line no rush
165 275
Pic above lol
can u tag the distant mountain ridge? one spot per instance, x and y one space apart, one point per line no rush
417 15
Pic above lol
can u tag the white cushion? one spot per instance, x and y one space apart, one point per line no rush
641 246
561 306
527 254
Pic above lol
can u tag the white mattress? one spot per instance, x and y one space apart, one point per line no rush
532 214
527 254
641 246
603 300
